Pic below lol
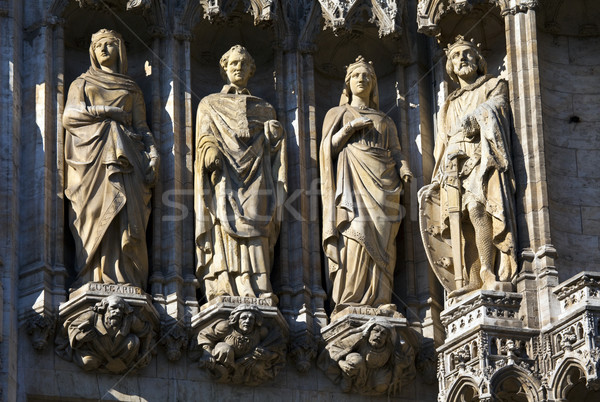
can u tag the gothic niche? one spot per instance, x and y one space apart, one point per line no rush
467 213
111 167
240 187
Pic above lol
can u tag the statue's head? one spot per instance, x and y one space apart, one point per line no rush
360 80
464 60
108 50
378 332
237 66
113 309
245 318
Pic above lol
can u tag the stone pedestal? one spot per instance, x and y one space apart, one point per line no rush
486 343
240 340
107 328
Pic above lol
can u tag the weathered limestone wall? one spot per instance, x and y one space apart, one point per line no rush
570 83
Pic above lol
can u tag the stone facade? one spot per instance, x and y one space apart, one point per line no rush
535 340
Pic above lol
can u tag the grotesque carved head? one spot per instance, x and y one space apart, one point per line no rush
245 318
237 66
113 309
378 332
464 59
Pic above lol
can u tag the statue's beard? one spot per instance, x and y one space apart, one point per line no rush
113 322
466 70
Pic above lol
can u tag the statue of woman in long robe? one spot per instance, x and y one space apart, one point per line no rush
362 170
112 164
240 185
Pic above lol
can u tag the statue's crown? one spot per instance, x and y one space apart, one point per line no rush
460 41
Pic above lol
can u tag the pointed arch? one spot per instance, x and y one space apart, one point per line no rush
514 381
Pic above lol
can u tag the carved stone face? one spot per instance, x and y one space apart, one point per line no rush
464 62
378 336
361 83
107 52
238 69
246 322
115 311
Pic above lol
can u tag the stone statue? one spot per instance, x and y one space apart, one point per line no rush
109 337
240 185
241 349
112 165
362 174
467 212
371 360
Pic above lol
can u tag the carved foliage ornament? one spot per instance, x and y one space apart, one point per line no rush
119 4
342 15
263 11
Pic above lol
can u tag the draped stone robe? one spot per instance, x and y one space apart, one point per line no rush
361 189
238 207
106 183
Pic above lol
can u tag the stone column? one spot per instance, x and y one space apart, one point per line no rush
10 131
173 283
302 295
529 160
42 269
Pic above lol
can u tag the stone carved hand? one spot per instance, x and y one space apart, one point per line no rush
470 126
152 170
212 160
118 114
361 122
86 334
406 174
273 130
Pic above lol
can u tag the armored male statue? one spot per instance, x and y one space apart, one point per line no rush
467 212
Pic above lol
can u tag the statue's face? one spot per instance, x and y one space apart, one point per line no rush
464 61
114 312
246 322
378 336
238 69
107 52
361 82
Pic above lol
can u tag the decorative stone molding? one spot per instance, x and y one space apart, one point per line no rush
482 308
263 11
108 328
341 16
431 12
240 340
581 290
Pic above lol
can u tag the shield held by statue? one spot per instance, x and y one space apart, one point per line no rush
437 248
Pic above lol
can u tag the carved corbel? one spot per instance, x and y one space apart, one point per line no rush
40 328
174 337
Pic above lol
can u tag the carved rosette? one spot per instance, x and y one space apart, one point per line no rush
240 340
107 328
383 342
342 16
